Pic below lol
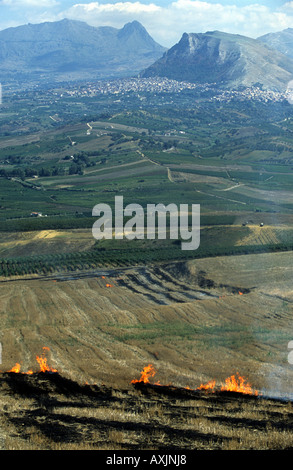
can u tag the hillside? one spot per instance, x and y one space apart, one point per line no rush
225 59
282 41
127 361
47 411
71 49
104 326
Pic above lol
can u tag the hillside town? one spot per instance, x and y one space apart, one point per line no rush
165 85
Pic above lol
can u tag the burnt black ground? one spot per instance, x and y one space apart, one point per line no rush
46 411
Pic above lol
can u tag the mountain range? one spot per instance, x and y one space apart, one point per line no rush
72 50
229 60
282 41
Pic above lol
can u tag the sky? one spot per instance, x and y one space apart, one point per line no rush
165 20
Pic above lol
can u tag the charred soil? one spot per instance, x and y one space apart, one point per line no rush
47 411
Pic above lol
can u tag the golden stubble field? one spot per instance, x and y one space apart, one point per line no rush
194 321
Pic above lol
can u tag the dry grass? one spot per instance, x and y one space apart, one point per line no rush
44 242
188 319
265 235
40 412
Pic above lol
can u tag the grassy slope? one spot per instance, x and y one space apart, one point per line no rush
188 320
157 314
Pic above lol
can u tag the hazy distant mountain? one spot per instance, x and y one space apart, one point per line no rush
226 59
281 41
72 49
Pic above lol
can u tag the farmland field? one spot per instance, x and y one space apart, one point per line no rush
108 308
105 326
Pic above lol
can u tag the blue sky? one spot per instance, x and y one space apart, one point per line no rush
165 20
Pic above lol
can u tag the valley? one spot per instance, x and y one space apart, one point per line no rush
161 301
104 310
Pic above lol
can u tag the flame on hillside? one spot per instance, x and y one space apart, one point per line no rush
107 284
15 369
146 373
43 363
238 384
232 383
208 386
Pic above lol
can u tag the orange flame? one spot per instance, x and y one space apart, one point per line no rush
42 360
146 373
15 369
109 285
233 384
240 293
208 386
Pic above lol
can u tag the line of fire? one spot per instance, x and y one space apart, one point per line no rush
234 383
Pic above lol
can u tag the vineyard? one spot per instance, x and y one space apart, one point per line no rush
44 259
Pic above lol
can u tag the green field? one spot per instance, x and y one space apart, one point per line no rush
234 159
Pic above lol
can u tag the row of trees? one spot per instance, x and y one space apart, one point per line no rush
70 262
77 163
27 172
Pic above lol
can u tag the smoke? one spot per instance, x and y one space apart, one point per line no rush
278 381
289 92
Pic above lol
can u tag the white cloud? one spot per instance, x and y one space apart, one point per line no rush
167 23
113 14
288 6
29 3
129 7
